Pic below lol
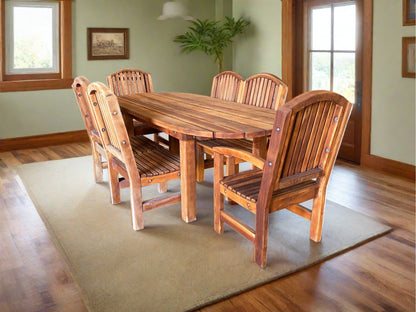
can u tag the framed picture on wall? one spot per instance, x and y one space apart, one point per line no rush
108 43
408 57
409 12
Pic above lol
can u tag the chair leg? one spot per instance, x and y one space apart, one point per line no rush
260 241
230 168
114 184
97 163
218 197
162 187
136 202
317 217
174 145
200 168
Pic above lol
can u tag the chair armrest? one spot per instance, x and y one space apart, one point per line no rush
240 154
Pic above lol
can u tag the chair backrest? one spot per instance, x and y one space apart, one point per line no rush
106 110
306 137
130 81
80 86
226 86
264 90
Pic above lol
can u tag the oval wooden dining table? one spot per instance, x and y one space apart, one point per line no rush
186 116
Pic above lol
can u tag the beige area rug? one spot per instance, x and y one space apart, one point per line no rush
170 265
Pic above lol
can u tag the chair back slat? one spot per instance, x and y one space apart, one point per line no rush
107 113
264 90
308 138
109 118
130 81
226 86
312 126
80 86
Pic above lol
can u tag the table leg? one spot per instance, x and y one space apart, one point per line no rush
260 147
174 145
188 180
128 122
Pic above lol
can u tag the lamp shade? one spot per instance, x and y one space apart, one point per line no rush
174 9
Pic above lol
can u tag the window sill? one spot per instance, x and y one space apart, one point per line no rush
33 85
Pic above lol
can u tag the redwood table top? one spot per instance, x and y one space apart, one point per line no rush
198 115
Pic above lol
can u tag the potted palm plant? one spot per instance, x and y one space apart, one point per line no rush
211 37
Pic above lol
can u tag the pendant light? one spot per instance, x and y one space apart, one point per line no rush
175 9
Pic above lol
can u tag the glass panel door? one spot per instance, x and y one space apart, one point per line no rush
332 48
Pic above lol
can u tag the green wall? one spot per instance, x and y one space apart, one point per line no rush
393 105
260 51
151 49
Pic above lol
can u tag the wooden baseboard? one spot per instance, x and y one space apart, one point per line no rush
388 166
43 140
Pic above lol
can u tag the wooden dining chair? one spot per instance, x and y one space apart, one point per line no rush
304 144
262 90
131 81
140 160
227 86
79 86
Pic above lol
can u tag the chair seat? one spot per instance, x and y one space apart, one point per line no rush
141 128
206 147
241 144
151 158
246 184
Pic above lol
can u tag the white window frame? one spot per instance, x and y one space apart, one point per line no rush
9 34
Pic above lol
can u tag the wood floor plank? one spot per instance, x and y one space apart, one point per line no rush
377 276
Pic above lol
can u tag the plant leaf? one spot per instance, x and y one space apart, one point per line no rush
211 37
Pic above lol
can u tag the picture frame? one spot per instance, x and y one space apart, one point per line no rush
409 57
409 12
108 43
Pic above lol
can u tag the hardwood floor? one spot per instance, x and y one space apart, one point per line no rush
376 276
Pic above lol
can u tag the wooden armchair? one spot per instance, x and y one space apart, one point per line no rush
140 160
307 134
131 81
79 86
261 90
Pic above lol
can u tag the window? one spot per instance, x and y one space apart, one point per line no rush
32 37
36 53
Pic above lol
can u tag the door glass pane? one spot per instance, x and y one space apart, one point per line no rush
321 28
344 75
320 71
344 27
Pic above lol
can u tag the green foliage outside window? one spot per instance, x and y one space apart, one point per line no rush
31 53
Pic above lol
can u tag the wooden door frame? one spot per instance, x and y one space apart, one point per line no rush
288 63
